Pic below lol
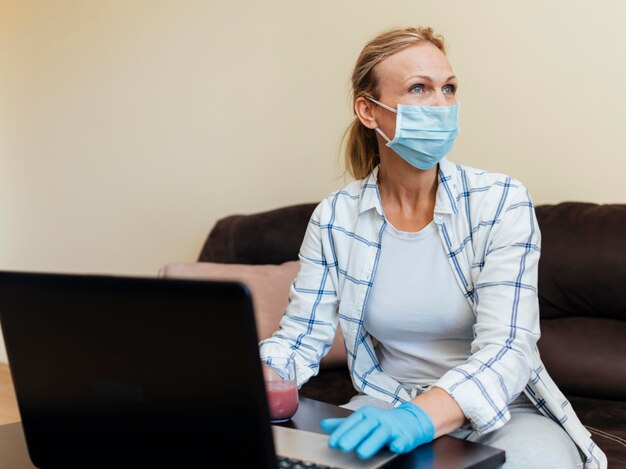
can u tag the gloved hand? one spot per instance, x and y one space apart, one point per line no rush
369 429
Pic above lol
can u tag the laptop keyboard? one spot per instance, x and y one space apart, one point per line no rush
293 463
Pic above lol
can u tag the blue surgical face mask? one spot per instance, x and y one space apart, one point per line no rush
424 134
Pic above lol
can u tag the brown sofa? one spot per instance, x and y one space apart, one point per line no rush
582 293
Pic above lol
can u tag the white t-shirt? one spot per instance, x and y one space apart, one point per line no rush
416 309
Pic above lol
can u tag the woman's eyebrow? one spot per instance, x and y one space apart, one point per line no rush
427 78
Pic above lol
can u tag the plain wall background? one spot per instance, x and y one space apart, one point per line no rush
127 128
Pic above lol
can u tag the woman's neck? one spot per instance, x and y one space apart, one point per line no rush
408 195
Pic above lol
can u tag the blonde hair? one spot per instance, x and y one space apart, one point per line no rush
361 146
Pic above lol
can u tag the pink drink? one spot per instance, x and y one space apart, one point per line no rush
282 397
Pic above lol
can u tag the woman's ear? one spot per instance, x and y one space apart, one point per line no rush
364 111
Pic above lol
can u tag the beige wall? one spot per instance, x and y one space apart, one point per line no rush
128 127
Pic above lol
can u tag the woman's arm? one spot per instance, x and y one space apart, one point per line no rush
308 326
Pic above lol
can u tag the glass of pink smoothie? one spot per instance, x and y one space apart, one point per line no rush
281 387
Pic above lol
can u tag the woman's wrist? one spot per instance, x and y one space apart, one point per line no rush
442 409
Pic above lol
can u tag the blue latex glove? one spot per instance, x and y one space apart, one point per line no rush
369 429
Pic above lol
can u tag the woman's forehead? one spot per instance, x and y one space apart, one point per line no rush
420 60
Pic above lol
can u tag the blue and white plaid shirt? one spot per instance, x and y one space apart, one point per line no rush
487 224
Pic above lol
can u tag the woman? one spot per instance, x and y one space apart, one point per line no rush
430 268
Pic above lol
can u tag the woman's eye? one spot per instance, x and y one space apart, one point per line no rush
449 89
417 89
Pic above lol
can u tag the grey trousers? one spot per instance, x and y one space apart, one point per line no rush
530 439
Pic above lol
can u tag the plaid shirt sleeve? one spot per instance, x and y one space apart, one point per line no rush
507 315
308 326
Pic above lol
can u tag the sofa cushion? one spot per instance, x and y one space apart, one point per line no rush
270 291
582 270
606 421
585 356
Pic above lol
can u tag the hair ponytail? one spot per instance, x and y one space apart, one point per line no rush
361 149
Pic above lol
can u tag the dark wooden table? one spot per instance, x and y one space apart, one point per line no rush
444 453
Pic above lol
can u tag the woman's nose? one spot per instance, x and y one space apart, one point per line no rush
439 99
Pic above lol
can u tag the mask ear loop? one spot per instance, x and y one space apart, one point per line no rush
380 132
382 105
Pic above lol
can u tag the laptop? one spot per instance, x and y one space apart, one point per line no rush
114 371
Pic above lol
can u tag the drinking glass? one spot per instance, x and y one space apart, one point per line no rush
281 387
